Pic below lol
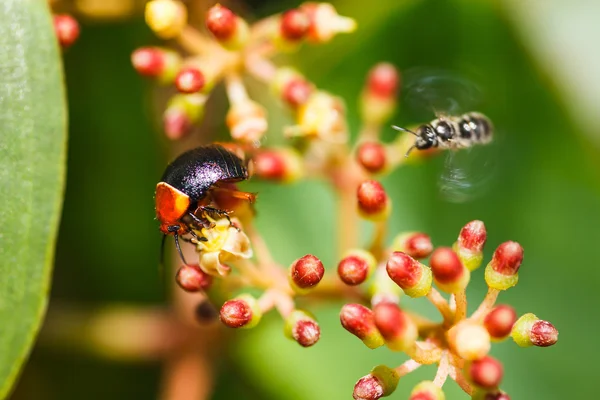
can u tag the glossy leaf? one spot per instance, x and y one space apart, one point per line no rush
32 170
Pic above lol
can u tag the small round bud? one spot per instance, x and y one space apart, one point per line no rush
230 30
469 246
383 80
306 272
321 116
398 330
448 272
416 244
241 312
189 80
381 382
294 25
372 156
291 87
470 340
66 29
427 390
529 330
278 164
303 328
373 202
166 18
413 277
155 62
359 321
356 267
247 121
502 272
192 279
182 111
499 321
485 373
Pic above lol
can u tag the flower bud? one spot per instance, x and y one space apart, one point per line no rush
192 279
481 394
373 201
499 321
247 121
398 330
356 267
182 111
413 277
278 164
66 29
306 272
427 390
529 330
189 80
448 272
381 382
485 373
325 22
241 312
416 244
166 18
156 62
294 25
359 321
291 87
230 30
372 156
502 272
469 340
303 328
378 98
469 246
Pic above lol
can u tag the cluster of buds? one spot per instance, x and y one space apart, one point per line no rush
233 49
459 344
233 256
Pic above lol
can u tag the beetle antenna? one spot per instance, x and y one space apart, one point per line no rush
399 128
178 247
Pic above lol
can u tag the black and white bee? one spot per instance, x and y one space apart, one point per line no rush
452 132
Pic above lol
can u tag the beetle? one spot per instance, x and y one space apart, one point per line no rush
183 194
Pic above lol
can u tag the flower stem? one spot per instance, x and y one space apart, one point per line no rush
486 305
461 306
407 367
443 370
425 353
440 303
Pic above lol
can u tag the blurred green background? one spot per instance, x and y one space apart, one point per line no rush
546 196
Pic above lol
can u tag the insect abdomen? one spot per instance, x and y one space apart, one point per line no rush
475 127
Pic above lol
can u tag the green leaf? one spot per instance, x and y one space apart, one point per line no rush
32 171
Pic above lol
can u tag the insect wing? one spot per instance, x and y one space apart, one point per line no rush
468 173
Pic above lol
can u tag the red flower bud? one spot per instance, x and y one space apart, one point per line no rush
472 236
241 312
502 272
448 272
427 390
529 330
415 244
296 92
307 271
485 373
359 321
373 202
499 321
398 330
412 276
221 22
66 29
356 267
381 382
189 80
303 328
294 25
148 61
371 156
176 124
280 165
383 80
192 279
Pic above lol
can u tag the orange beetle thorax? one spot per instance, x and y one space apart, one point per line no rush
171 205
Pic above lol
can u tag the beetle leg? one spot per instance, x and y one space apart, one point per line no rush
218 212
203 223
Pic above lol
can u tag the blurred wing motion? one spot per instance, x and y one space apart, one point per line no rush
468 173
430 90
